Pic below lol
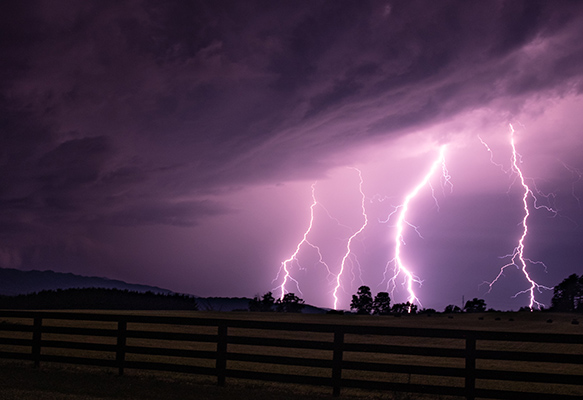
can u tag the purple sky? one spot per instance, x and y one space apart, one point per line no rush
175 143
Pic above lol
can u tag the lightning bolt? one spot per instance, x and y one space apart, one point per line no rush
349 242
402 223
286 264
492 155
517 257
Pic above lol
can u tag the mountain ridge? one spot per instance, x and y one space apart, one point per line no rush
14 282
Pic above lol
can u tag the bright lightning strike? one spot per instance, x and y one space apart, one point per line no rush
286 265
517 256
349 243
399 265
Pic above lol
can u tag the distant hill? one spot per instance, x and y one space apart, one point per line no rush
98 299
14 282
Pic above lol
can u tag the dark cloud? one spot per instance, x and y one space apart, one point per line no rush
211 78
184 213
74 162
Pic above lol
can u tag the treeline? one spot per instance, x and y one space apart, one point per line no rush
364 303
567 297
98 299
289 303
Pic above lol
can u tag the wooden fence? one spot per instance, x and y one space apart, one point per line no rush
434 361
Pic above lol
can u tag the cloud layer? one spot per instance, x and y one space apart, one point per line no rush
128 118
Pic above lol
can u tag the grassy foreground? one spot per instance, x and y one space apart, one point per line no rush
20 381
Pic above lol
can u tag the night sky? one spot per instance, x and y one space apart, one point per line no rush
176 143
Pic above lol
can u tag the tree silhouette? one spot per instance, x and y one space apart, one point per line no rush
362 301
404 308
452 308
568 295
290 303
263 304
381 304
476 305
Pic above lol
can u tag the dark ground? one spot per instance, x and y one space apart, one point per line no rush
20 381
23 382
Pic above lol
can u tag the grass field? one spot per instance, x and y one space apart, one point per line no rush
21 381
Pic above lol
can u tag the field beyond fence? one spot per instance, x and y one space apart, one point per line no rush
463 363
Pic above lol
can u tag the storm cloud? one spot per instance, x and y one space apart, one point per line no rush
162 122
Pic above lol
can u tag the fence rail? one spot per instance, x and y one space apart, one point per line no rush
462 363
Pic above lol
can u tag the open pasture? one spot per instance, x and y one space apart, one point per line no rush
491 355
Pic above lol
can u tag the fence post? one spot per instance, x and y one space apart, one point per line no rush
36 340
337 361
120 353
470 385
221 353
